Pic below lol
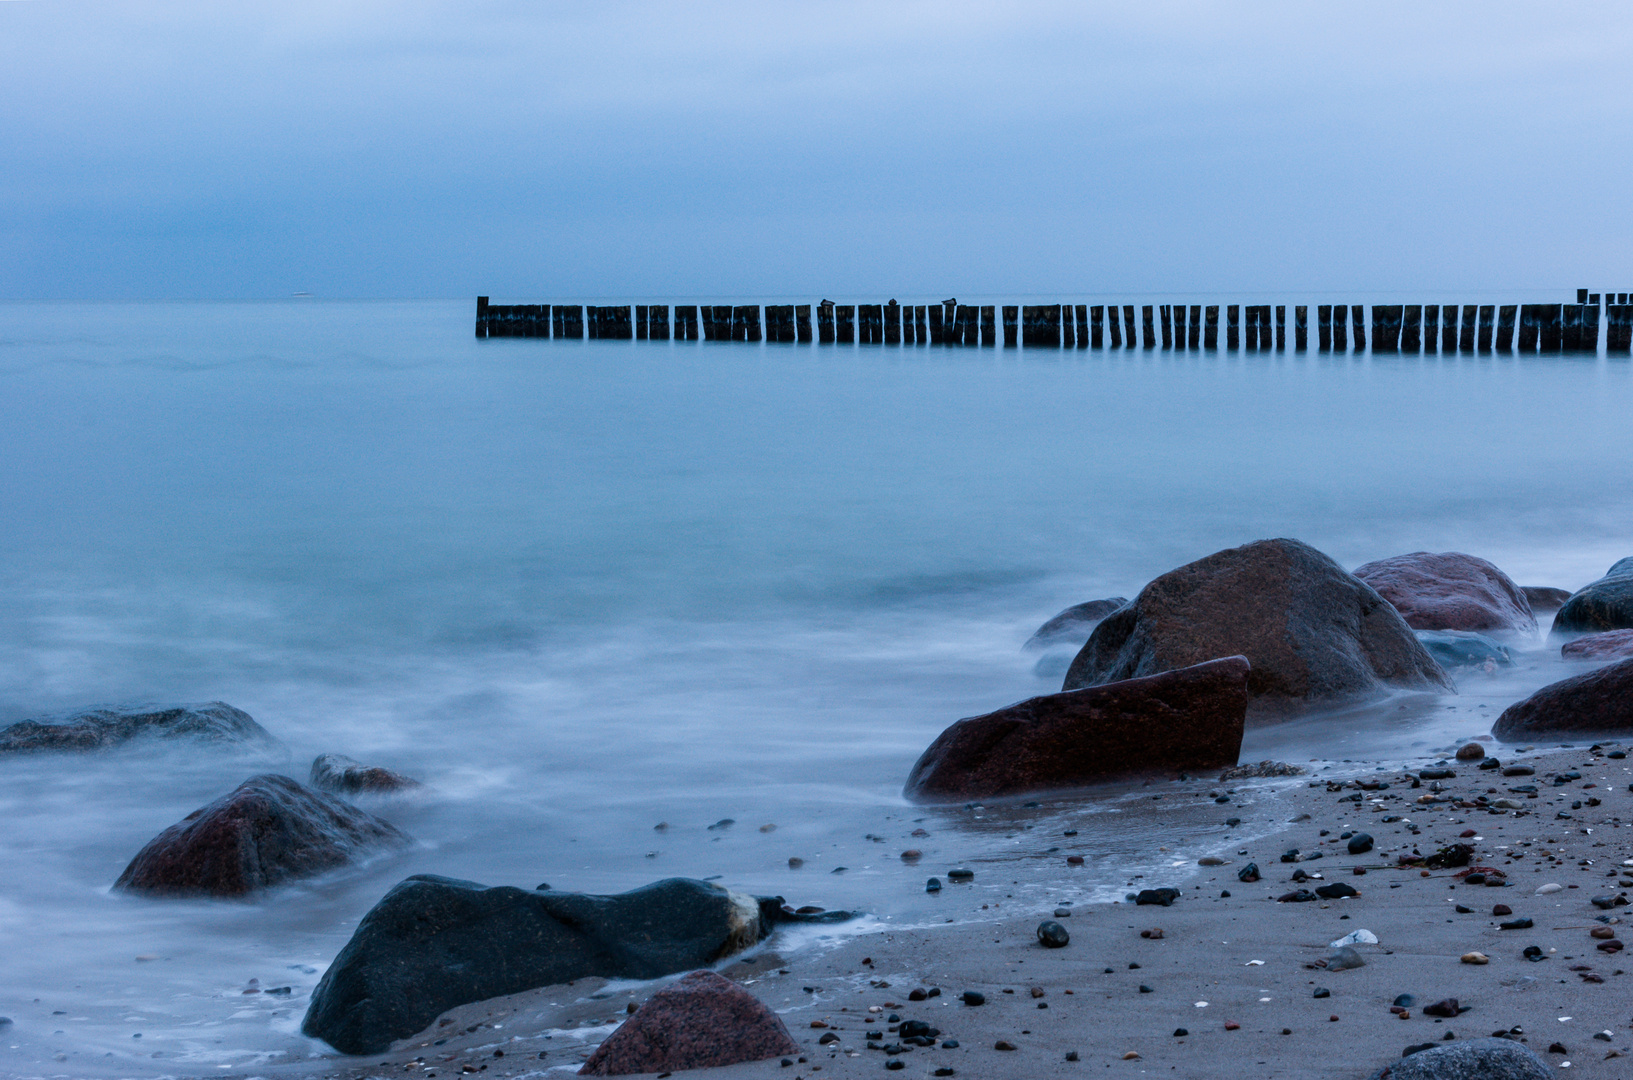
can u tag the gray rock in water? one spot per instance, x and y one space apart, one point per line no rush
433 943
1074 624
266 831
1463 648
1468 1059
341 775
1599 702
1544 598
1607 604
1313 633
102 729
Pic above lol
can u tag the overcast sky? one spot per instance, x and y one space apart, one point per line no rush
614 147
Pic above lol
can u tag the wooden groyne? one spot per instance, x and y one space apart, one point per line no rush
1392 328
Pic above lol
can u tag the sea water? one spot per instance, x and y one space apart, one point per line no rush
585 588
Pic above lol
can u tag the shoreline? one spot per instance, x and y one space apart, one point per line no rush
1086 997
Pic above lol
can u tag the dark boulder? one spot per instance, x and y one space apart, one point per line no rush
1464 648
102 729
1074 624
1544 598
704 1021
1596 702
433 943
343 776
268 830
1314 633
1450 591
1186 719
1468 1059
1607 604
1610 645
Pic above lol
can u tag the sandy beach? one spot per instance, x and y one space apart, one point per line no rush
1239 974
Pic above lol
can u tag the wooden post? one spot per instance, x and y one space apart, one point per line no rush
1488 314
1431 327
937 331
1571 331
909 331
1232 326
1505 328
1281 328
1128 326
870 320
968 321
1340 327
481 316
619 325
1115 326
657 318
1581 296
1590 325
921 329
1386 328
1465 340
779 323
949 322
802 323
1530 324
893 323
1549 316
1148 330
706 312
989 326
1082 313
1193 339
1040 326
1301 327
1011 324
1210 334
1097 317
1178 313
641 314
825 323
1619 327
1068 328
1358 317
1323 327
1164 316
1411 325
845 323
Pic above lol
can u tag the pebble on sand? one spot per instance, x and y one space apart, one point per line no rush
1476 958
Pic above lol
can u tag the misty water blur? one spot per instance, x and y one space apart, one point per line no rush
581 588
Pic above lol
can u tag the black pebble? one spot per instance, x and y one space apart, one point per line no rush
949 1044
1071 1055
1321 992
1144 989
1225 895
1233 822
933 885
1461 910
1360 844
1406 1001
895 1063
1052 935
974 997
1180 1033
1516 924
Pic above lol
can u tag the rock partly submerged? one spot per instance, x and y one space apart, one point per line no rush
213 722
1074 624
1609 645
267 831
341 775
1597 702
1314 633
1468 1059
1606 604
1464 648
704 1021
433 943
1545 598
1191 718
1450 591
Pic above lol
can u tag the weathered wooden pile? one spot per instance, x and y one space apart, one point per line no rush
1395 328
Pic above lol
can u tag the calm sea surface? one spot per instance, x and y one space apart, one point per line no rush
581 588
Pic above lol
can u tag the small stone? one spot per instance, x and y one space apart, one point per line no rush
828 1037
1476 958
1248 874
1209 860
1499 910
1360 844
960 875
1405 1001
1052 935
1002 1044
1611 946
1074 860
1071 1055
1180 1033
1231 1025
933 885
1516 924
1470 752
895 1063
1549 888
1446 1008
1153 934
795 862
1461 910
912 855
1144 989
1322 992
973 997
1130 1056
1063 913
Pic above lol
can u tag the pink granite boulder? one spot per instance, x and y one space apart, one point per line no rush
704 1021
1450 591
1610 645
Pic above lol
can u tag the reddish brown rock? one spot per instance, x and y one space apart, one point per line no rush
267 831
211 723
1186 719
1599 702
1544 598
1314 633
343 776
1450 591
1610 645
704 1021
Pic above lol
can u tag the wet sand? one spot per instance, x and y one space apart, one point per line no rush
1247 956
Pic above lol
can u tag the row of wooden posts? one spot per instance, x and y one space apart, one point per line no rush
1409 328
